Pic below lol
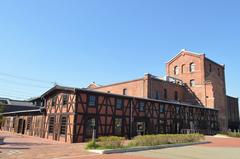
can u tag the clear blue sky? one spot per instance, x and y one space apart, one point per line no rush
78 42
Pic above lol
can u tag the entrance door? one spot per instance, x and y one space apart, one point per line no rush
21 126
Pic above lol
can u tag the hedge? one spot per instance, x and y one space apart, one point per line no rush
114 142
152 140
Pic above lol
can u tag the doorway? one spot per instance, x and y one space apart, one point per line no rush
21 126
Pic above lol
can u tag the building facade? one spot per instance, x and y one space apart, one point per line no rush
191 98
71 114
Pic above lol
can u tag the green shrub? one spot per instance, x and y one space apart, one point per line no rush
231 134
92 145
152 140
110 142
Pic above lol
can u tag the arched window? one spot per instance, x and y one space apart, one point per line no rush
192 83
192 67
176 70
183 68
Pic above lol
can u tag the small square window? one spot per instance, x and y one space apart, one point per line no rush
119 103
92 100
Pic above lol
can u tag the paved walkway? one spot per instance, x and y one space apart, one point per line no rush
218 148
28 147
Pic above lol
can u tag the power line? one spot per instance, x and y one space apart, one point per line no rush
15 90
12 96
25 78
16 93
19 83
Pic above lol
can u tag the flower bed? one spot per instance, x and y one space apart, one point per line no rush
113 142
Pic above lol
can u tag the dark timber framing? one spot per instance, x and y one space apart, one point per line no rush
135 116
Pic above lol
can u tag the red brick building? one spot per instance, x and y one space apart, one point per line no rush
191 98
191 78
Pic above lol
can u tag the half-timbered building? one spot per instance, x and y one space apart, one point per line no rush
71 114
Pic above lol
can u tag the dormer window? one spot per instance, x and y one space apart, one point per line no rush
192 67
176 70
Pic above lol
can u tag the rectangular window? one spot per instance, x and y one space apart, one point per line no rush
125 91
165 93
176 95
141 106
118 126
54 99
119 103
177 110
90 126
157 95
51 124
65 99
63 125
192 83
29 123
92 100
161 108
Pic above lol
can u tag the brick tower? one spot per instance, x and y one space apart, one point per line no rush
204 78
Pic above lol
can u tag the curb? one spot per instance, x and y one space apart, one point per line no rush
144 148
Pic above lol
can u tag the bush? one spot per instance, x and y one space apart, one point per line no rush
110 142
231 134
152 140
92 145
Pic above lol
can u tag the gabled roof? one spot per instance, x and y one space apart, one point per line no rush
93 84
58 87
184 51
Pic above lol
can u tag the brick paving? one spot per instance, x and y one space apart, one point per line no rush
222 142
28 147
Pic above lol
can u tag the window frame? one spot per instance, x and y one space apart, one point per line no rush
176 70
29 123
54 101
90 103
64 103
49 124
117 102
120 127
192 67
192 83
61 125
176 95
141 106
165 93
125 91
